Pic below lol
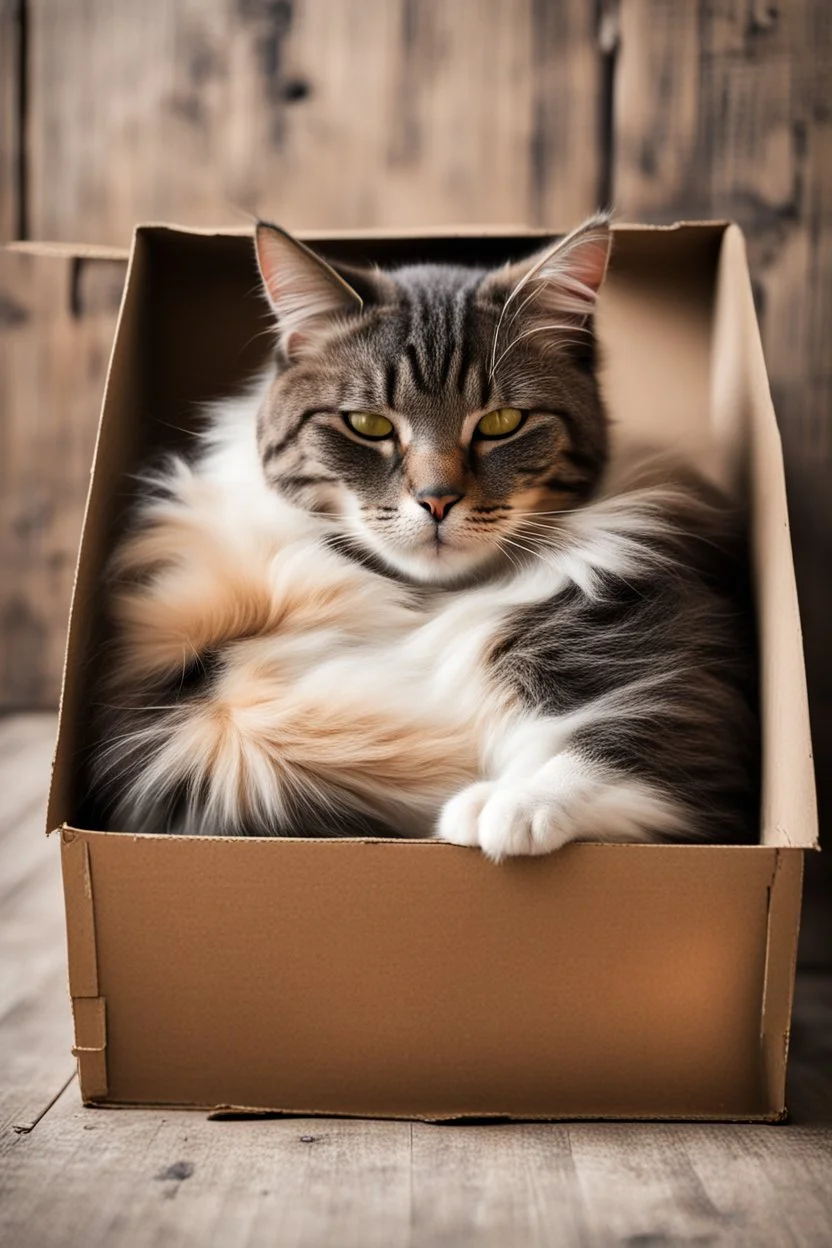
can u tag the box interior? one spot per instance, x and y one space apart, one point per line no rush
682 371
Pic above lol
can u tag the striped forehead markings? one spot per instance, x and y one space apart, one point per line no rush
391 381
417 368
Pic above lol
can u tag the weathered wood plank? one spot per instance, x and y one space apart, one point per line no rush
53 360
167 1177
35 1026
317 113
10 121
496 1185
181 1180
722 110
26 747
17 734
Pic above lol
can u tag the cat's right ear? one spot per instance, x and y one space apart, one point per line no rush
562 281
306 293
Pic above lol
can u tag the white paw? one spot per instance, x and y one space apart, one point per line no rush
519 819
568 799
505 819
459 818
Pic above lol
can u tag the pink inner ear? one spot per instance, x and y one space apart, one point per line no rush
305 293
588 263
573 272
269 257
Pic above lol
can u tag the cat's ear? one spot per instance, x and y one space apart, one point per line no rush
559 284
305 292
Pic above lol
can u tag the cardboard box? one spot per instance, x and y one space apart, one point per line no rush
402 978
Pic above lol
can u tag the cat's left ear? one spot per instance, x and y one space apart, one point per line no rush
559 283
305 292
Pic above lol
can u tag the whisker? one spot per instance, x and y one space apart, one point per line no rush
191 433
112 707
261 333
535 552
514 562
545 526
564 340
540 286
531 275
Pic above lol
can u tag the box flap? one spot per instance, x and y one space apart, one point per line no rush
744 419
95 251
124 378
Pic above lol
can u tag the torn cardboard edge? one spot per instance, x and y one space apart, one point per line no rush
88 1007
784 898
236 1113
97 251
68 834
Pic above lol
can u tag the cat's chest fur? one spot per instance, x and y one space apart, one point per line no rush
265 682
282 671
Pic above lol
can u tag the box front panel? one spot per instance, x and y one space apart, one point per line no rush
388 978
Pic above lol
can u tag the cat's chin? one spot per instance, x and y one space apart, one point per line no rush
448 566
450 563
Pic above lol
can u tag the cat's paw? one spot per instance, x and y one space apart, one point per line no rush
459 817
519 819
505 820
570 798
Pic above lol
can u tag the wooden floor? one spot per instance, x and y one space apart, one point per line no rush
76 1177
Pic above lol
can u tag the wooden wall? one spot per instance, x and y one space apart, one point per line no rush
393 112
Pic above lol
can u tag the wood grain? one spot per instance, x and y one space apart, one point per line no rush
318 113
35 1028
54 349
10 121
180 1179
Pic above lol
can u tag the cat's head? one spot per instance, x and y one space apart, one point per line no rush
443 415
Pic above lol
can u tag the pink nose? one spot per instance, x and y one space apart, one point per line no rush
438 504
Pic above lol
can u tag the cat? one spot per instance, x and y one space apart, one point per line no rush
397 592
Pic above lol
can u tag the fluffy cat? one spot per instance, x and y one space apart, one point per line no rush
396 592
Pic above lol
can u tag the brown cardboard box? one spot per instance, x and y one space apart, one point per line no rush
400 978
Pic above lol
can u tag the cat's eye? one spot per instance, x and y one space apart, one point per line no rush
500 423
369 424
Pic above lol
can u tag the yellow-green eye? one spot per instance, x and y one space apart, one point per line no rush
500 423
369 424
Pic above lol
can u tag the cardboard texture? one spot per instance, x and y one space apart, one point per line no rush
411 979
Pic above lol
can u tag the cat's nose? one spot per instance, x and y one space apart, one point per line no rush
437 502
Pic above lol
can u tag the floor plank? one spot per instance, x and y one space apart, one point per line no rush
178 1178
72 1176
35 1029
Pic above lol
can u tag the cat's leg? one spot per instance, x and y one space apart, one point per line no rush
538 804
